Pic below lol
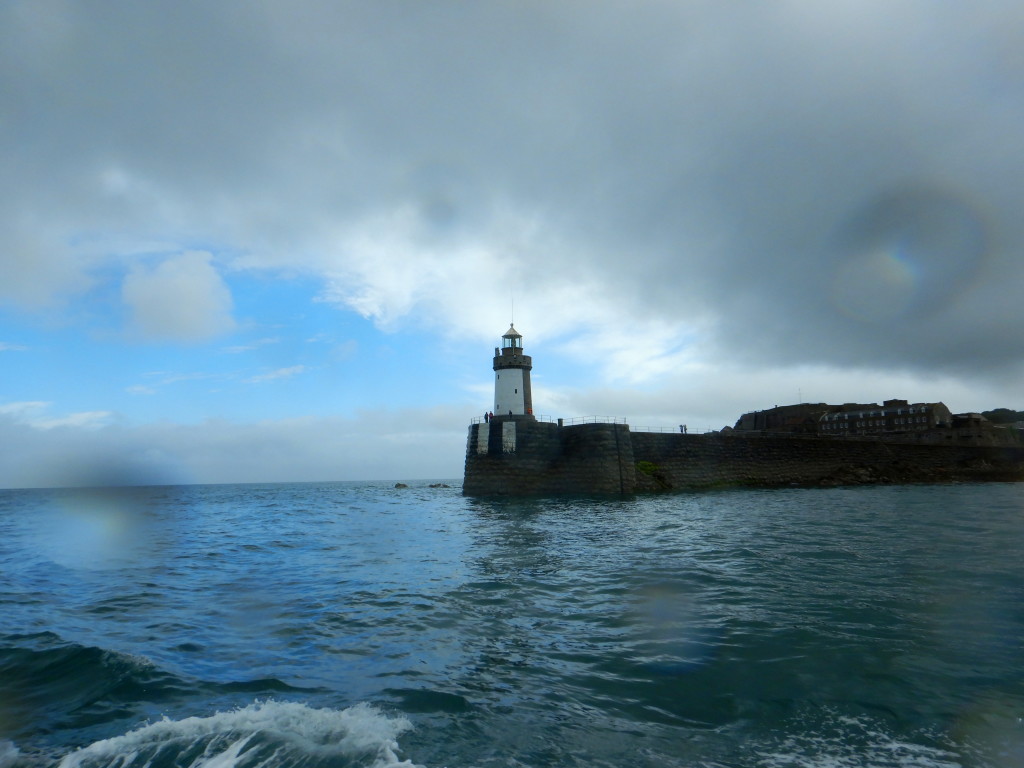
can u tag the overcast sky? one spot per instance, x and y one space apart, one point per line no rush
280 240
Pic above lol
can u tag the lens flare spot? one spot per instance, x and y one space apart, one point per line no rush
993 730
906 254
97 528
875 286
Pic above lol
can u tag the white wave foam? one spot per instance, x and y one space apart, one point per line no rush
843 741
8 753
260 735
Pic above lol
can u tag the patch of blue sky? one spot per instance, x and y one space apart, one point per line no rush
288 356
291 355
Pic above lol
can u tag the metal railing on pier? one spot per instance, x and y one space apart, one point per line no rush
566 422
593 420
606 420
687 431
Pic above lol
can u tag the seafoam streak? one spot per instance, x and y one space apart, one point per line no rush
261 734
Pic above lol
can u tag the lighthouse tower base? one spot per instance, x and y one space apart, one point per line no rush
517 456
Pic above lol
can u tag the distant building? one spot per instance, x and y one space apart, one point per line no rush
893 416
802 418
847 420
975 429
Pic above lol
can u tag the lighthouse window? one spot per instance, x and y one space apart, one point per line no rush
517 390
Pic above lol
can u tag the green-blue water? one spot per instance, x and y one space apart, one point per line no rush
357 624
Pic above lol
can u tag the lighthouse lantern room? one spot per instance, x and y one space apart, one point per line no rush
512 396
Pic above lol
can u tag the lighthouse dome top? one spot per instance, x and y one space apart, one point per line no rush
512 339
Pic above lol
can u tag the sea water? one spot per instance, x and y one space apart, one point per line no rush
358 624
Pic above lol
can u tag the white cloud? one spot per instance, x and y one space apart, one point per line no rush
238 349
157 379
167 377
183 298
35 414
25 410
392 266
38 269
346 350
280 373
391 269
81 420
8 347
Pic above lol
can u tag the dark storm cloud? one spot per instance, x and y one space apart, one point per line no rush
817 183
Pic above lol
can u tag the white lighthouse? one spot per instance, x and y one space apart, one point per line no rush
512 394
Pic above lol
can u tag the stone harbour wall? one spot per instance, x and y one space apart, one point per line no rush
496 468
547 459
703 461
521 457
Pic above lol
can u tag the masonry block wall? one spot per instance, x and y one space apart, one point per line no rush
596 458
494 470
548 459
703 461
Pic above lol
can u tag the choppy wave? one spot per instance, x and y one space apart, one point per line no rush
847 628
47 682
261 735
50 685
832 740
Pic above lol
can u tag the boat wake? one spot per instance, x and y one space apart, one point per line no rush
261 735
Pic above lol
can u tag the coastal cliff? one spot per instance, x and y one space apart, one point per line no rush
522 457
